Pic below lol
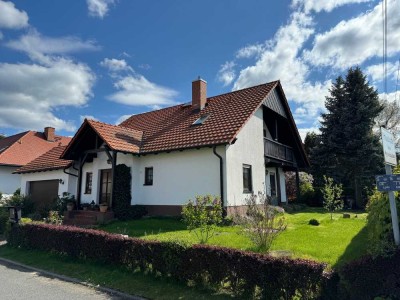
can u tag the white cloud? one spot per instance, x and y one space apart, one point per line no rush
89 117
226 73
324 5
37 45
115 65
354 41
99 8
281 59
250 51
11 17
376 71
30 93
122 118
303 131
136 90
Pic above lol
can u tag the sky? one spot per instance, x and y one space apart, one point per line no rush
64 61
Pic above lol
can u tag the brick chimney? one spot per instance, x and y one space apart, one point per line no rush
199 94
49 133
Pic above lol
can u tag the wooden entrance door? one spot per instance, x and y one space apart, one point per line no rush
105 186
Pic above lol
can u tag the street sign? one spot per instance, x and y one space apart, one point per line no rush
387 183
389 149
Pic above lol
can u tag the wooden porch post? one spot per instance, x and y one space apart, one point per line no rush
78 193
113 166
278 185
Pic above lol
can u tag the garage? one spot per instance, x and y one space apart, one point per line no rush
43 193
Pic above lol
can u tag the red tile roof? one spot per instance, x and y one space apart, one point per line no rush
21 148
171 128
118 138
48 161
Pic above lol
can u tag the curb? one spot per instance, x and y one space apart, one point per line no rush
106 290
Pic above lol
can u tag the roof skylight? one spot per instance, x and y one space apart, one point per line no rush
201 120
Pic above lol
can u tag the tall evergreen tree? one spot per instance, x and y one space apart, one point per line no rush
349 151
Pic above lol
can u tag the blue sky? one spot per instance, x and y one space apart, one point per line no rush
62 61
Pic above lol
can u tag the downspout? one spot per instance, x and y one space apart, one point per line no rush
68 173
221 180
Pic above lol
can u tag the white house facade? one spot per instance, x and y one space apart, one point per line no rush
230 146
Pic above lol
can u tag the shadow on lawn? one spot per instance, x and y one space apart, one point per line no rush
354 250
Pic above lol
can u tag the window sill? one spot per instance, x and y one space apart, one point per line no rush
147 184
247 192
87 193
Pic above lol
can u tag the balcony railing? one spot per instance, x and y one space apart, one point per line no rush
277 150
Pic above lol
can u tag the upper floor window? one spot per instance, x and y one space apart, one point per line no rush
88 186
247 179
148 176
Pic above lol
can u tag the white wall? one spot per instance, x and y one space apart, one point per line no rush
68 186
248 149
98 164
9 182
177 176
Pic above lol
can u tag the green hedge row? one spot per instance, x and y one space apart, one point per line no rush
244 273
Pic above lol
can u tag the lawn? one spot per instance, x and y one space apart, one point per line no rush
334 242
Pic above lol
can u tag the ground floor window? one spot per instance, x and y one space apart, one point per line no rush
272 181
247 179
88 186
148 176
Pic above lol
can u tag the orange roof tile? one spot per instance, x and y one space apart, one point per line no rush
21 148
48 161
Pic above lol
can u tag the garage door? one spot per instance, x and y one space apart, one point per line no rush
44 193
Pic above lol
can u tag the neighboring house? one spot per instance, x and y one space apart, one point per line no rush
47 177
229 145
20 149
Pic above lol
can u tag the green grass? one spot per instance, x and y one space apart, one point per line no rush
134 283
334 242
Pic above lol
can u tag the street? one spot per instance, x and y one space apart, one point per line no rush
20 283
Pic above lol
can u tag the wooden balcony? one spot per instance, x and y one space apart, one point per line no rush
278 151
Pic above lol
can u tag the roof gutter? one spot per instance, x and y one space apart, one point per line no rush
221 180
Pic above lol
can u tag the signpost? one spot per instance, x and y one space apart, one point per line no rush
389 182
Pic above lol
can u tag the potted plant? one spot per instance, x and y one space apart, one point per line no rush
103 207
85 206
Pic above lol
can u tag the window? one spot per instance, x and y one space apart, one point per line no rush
201 120
148 176
247 180
88 187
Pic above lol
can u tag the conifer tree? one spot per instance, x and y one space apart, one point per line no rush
349 151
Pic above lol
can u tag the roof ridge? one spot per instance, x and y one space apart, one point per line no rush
169 107
124 127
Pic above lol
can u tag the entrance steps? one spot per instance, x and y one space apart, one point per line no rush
87 218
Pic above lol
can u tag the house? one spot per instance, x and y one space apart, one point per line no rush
47 177
229 145
20 149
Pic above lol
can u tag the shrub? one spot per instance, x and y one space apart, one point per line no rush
307 192
28 206
54 218
371 277
61 203
241 272
379 224
263 222
332 195
202 216
313 222
4 217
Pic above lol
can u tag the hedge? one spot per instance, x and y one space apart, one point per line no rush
252 274
369 277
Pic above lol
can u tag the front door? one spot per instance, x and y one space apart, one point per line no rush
272 181
105 186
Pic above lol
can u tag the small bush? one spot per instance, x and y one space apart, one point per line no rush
313 222
379 224
61 203
54 218
332 194
202 216
263 222
243 273
4 217
28 206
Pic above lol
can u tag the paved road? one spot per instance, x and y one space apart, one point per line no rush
20 283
